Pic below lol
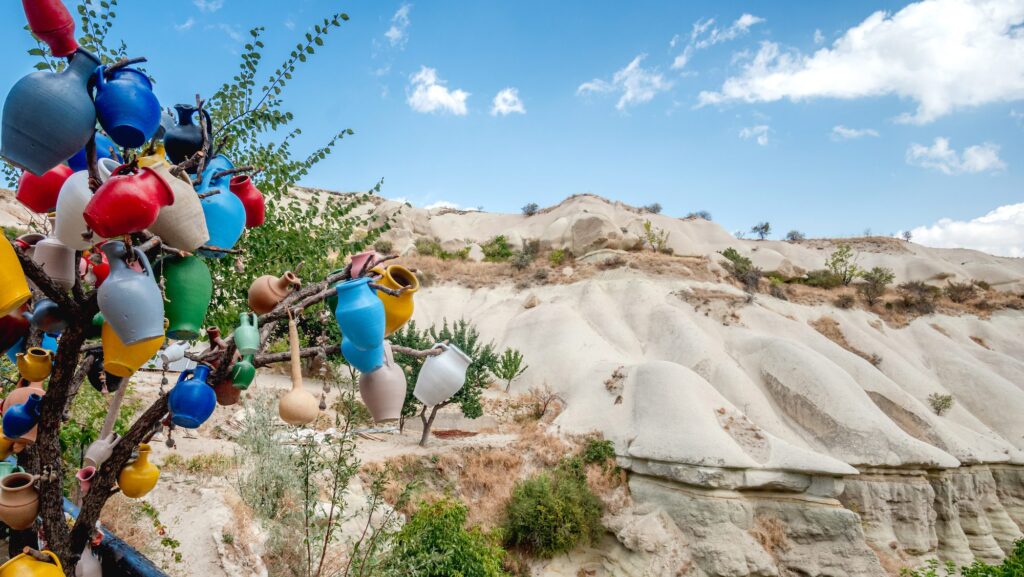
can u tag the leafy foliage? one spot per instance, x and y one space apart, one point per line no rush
497 249
530 209
655 237
741 268
875 281
843 264
558 256
510 366
960 292
701 214
822 278
795 235
940 403
431 247
918 297
762 229
598 451
1012 566
88 412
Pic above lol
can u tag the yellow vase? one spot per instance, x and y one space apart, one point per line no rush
25 565
140 476
6 447
35 364
123 360
13 285
158 156
397 310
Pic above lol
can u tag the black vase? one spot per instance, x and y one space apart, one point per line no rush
184 139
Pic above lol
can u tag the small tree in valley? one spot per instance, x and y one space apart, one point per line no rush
762 229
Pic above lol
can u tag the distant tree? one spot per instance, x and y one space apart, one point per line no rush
701 214
762 229
907 235
531 209
795 235
509 366
867 231
843 264
653 208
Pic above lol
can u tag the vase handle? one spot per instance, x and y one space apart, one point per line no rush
100 81
144 260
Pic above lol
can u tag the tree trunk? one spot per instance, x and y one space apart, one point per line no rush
427 423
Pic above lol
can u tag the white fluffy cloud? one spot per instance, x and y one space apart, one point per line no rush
635 84
208 5
840 132
507 102
1000 232
942 54
758 133
449 204
186 25
940 156
705 34
429 94
397 34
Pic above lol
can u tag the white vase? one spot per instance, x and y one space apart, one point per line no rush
88 565
74 195
383 390
181 224
442 376
173 353
57 259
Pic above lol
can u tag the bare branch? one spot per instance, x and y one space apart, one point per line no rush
109 71
37 275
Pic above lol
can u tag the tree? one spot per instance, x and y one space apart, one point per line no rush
795 236
530 209
653 208
655 237
701 214
843 264
762 229
875 282
907 235
510 366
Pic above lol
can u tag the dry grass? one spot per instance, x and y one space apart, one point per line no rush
203 465
770 532
829 328
123 517
980 342
484 480
544 448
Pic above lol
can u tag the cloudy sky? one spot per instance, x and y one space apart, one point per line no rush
830 118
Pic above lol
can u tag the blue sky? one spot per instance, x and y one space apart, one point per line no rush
827 117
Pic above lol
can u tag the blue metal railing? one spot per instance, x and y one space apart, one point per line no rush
118 558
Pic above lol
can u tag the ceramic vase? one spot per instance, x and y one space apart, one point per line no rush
173 353
47 316
188 289
252 200
88 564
181 224
84 476
139 477
13 328
49 116
192 400
224 212
58 260
99 451
185 138
247 335
123 360
35 364
126 107
127 203
383 390
243 373
105 149
24 565
364 360
131 301
19 395
51 22
441 376
70 225
267 291
297 407
360 314
19 501
39 193
227 394
397 310
14 290
20 419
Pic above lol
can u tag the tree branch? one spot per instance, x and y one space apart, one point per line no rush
236 170
38 276
109 71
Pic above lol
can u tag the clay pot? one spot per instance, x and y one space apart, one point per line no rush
51 22
88 564
173 353
397 310
243 373
365 361
383 391
442 376
252 200
188 289
58 260
268 291
13 328
224 212
19 501
360 314
99 451
127 203
298 406
35 364
13 284
182 224
139 477
227 393
74 196
84 476
39 193
24 565
47 316
131 301
192 400
19 395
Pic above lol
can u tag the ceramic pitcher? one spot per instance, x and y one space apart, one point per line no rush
227 393
364 361
48 117
192 400
19 501
267 291
243 373
105 148
173 353
247 335
13 328
188 289
126 107
39 193
123 360
181 224
58 260
442 376
360 314
99 451
224 212
20 419
140 476
383 390
397 310
51 22
13 284
298 406
74 195
35 364
47 316
251 197
185 138
131 301
127 202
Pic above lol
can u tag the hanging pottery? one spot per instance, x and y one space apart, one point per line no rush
383 390
181 224
88 564
267 291
99 451
6 447
47 316
360 314
247 335
57 260
70 225
140 476
39 193
35 364
364 361
7 467
188 289
243 373
94 268
19 395
298 406
20 419
361 262
173 353
441 376
127 203
25 565
13 284
19 502
51 22
223 211
126 107
131 301
252 199
192 400
227 393
48 116
185 138
84 476
50 342
123 360
105 149
397 310
158 154
13 328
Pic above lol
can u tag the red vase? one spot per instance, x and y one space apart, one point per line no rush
52 23
99 270
12 328
252 200
127 203
39 193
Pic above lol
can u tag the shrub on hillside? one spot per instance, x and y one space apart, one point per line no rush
843 264
653 208
960 292
383 246
431 247
497 249
557 257
742 268
845 301
917 296
598 451
795 235
822 278
762 229
875 281
940 403
701 214
1012 566
531 209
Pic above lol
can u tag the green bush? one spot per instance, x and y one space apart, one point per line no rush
917 296
742 268
436 543
598 451
960 292
822 279
843 264
1012 566
552 513
383 246
497 249
431 247
557 257
875 281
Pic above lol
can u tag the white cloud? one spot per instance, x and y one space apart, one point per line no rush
208 5
449 204
186 25
759 133
819 38
635 83
942 54
506 102
429 94
939 156
289 24
1000 232
397 34
840 132
705 34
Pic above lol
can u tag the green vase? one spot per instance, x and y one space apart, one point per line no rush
247 335
243 372
188 289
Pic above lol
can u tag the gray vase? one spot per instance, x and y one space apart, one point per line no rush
49 117
129 300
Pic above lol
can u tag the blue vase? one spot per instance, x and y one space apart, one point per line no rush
105 148
17 347
192 400
360 314
366 361
50 342
224 212
126 107
19 419
48 116
47 316
216 164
